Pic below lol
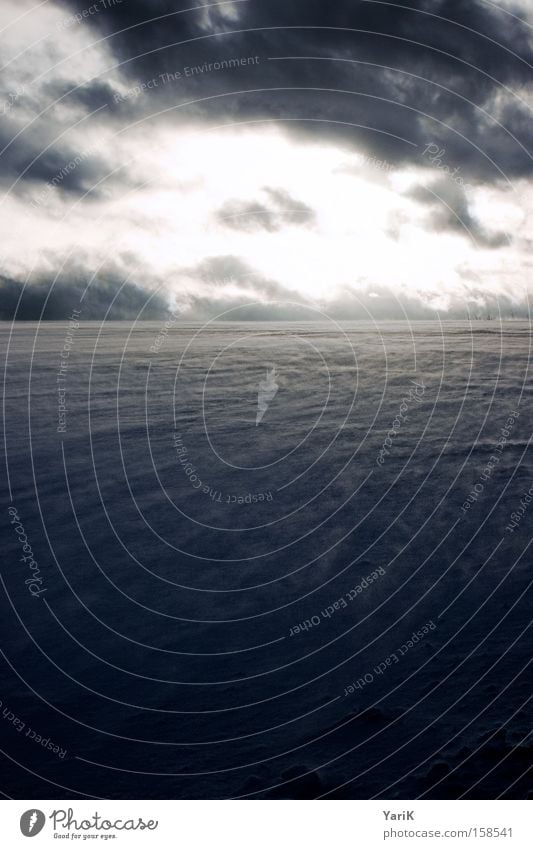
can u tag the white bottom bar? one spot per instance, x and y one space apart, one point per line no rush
268 824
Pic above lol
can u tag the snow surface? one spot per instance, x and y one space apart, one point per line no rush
180 544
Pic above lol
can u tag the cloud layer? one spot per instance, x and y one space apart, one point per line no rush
292 138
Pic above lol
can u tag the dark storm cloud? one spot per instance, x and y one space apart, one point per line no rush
380 303
66 168
450 212
244 215
290 208
386 78
281 210
245 309
109 297
71 170
384 303
94 95
417 58
229 270
267 300
54 301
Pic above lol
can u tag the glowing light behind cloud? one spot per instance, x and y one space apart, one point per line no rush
170 177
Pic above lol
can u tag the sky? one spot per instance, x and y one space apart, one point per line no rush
254 160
